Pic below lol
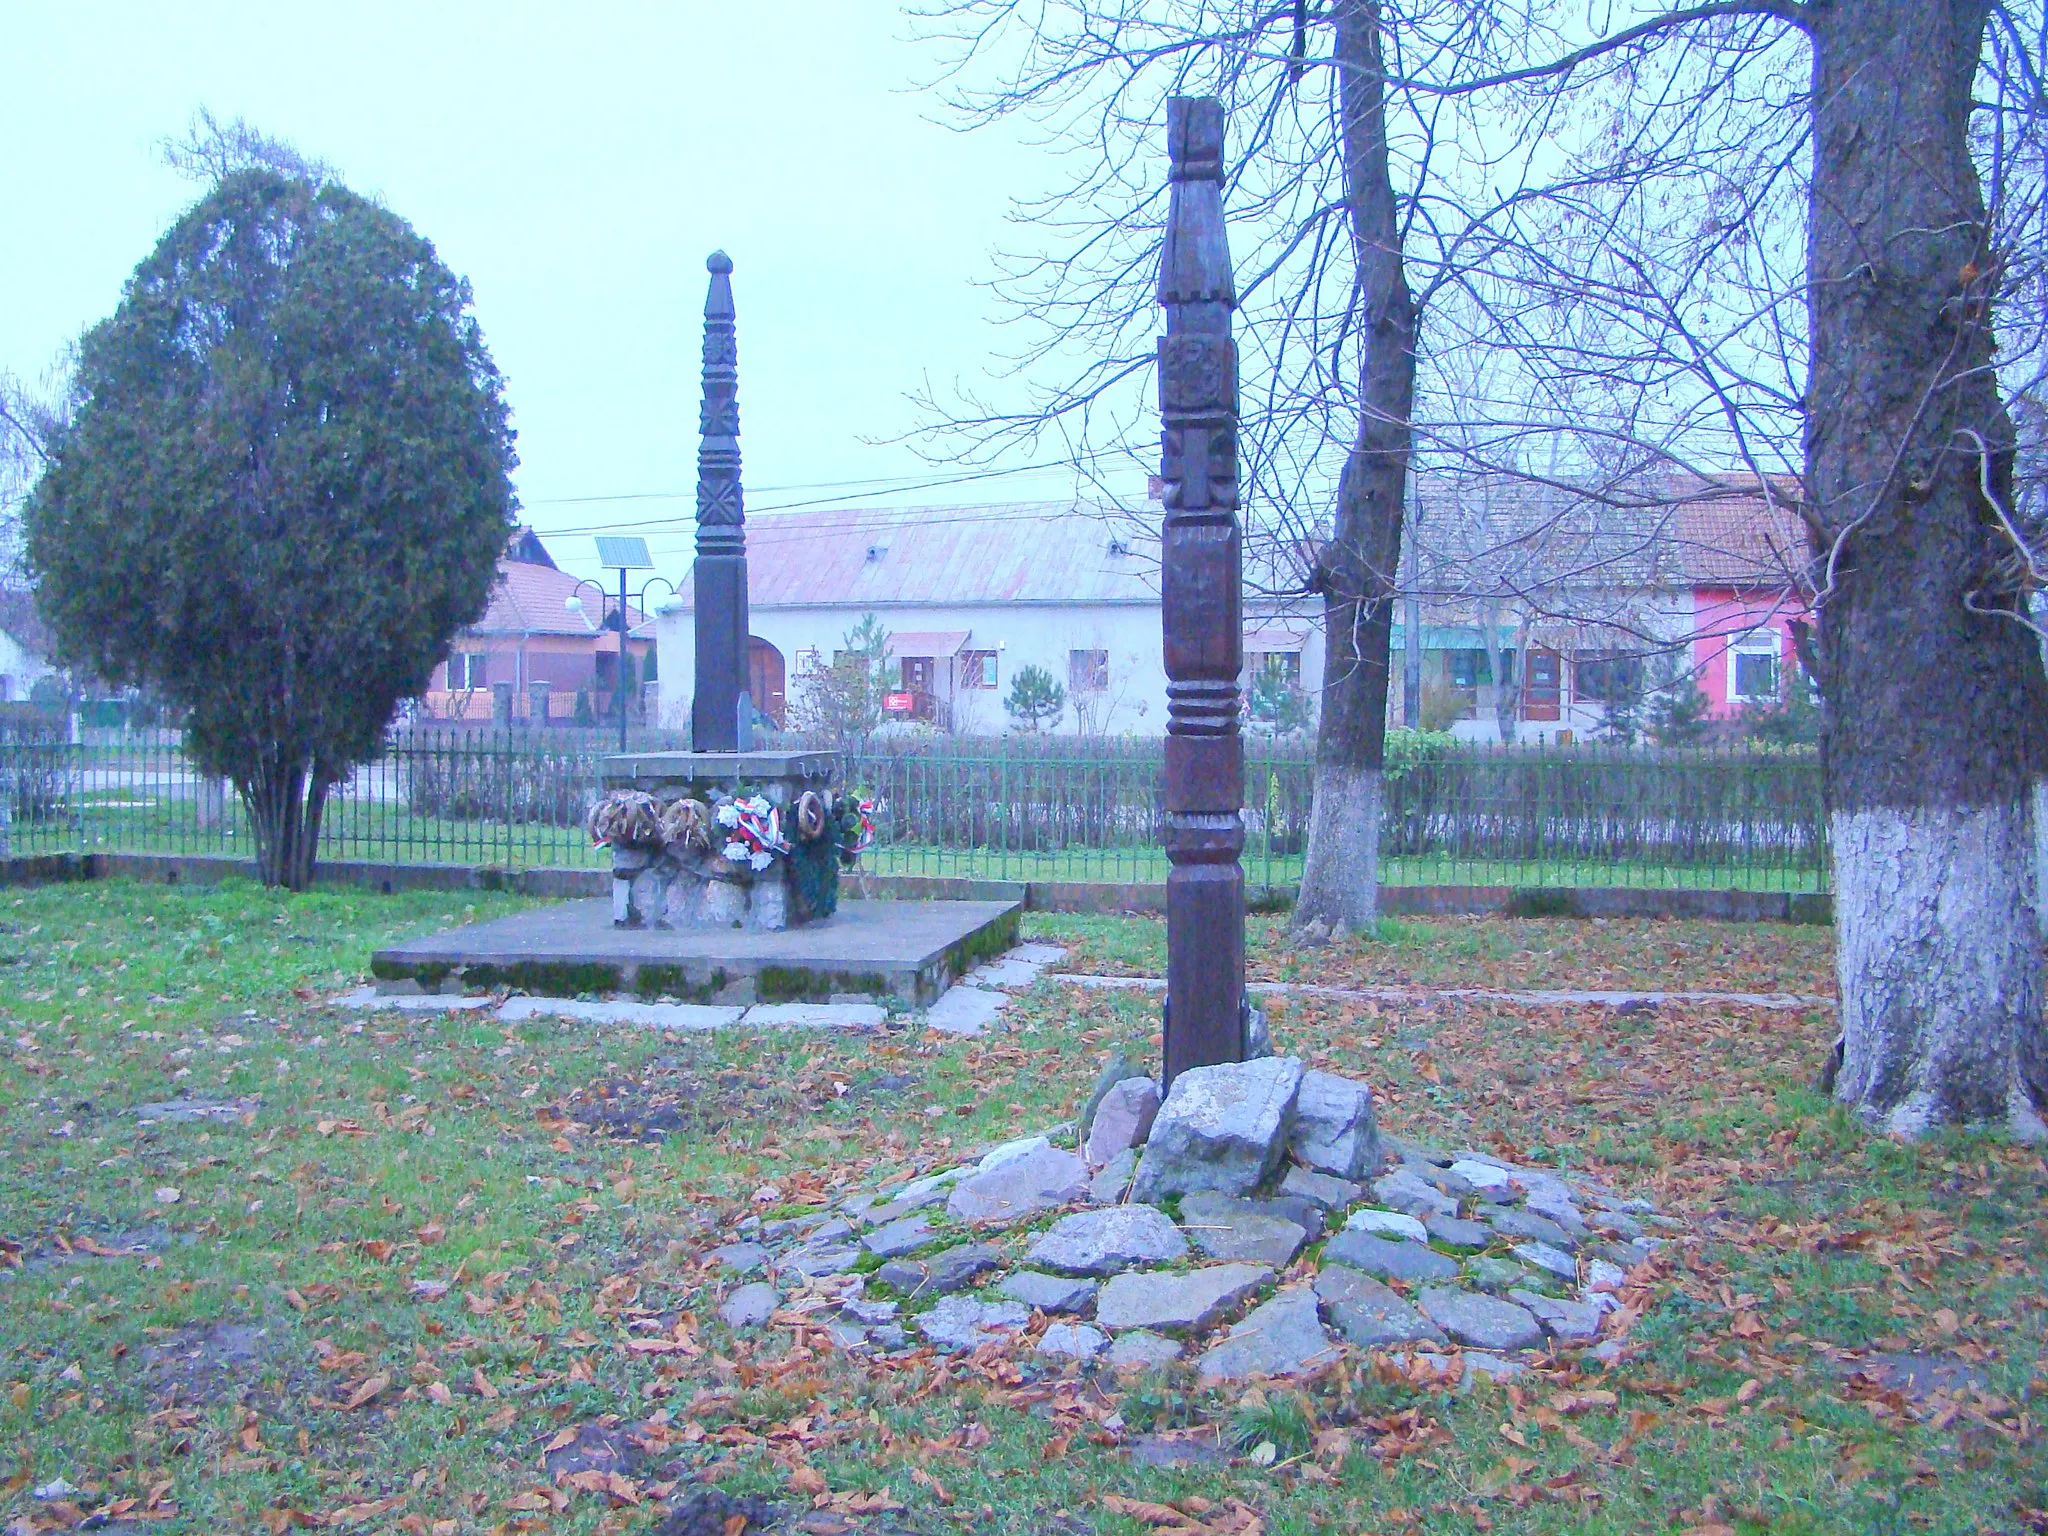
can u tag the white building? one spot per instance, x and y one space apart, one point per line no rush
970 596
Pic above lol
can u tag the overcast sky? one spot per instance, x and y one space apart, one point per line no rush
576 164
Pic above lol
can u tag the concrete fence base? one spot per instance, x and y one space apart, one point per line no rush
1103 896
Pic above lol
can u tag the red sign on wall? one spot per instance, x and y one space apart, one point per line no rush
898 703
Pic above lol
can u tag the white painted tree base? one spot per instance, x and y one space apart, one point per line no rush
1939 960
1340 879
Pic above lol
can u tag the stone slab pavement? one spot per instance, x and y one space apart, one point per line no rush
1566 998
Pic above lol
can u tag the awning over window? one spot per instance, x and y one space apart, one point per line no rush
934 643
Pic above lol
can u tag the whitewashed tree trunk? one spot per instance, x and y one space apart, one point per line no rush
1939 961
1340 880
2041 855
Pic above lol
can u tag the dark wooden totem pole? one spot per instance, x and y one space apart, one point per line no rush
1203 616
721 572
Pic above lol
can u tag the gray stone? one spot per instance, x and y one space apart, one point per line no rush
1615 1224
1572 1322
1102 1242
813 1262
1122 1120
1283 1337
814 1015
1334 1129
965 1010
832 1230
847 1336
1143 1350
1441 1179
868 1313
1368 1313
1487 1177
1388 1224
1558 1206
958 1324
948 1270
1225 1227
1011 1152
748 1307
907 1234
1221 1128
1119 1068
1112 1181
1545 1257
1038 1181
1047 1293
187 1111
1601 1275
888 1336
1484 1322
1475 1367
1513 1221
1389 1260
742 1258
1258 1034
1403 1190
856 1206
1072 1341
1492 1273
1331 1193
1163 1299
1306 1214
1455 1232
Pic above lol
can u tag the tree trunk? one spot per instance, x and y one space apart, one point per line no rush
285 807
1936 713
1356 572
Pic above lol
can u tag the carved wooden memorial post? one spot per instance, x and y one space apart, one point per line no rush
721 572
1202 605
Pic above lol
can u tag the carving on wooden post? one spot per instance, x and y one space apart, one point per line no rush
721 570
1203 614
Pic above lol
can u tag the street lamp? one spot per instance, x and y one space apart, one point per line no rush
622 554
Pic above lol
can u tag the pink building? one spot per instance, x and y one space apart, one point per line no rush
1742 552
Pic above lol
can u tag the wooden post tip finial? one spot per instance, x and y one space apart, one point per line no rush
718 263
1194 137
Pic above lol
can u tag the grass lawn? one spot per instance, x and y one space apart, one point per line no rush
440 1262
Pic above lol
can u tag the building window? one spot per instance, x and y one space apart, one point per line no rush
917 674
1279 668
1606 677
1756 675
1088 671
977 669
1468 668
466 669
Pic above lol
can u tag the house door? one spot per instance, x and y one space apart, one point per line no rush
765 678
1542 686
917 674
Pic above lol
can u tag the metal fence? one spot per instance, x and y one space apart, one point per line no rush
1016 808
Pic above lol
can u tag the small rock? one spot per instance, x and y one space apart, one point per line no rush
1512 1221
1283 1337
1573 1322
1367 1313
1388 1224
742 1258
1326 1190
907 1234
1486 1177
748 1307
1221 1128
1334 1129
1390 1260
1118 1069
1603 1276
1072 1341
1306 1214
868 1313
815 1263
1558 1207
1011 1152
1485 1322
1436 1178
1455 1232
1113 1180
1403 1190
1497 1275
1615 1224
889 1336
832 1230
1040 1180
856 1207
847 1336
1476 1367
1258 1034
1102 1242
1163 1299
958 1324
1225 1227
1122 1120
1047 1293
1545 1257
1143 1350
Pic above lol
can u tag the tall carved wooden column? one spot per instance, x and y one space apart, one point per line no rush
721 572
1203 605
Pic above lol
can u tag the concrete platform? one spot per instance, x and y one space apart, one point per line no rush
906 952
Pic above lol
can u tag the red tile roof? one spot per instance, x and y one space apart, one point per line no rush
533 600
